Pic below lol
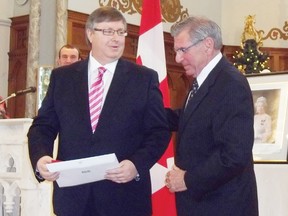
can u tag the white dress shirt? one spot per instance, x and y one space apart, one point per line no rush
93 66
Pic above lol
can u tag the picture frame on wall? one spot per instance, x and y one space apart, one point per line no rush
43 79
270 98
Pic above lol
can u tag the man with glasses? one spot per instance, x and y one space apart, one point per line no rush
102 105
213 173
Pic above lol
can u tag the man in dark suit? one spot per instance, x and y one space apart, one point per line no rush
213 173
132 125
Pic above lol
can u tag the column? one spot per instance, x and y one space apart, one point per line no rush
61 27
33 55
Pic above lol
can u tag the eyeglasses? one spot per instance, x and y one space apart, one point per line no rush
185 49
111 32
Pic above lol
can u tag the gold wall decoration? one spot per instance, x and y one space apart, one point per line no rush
276 33
250 59
172 10
250 32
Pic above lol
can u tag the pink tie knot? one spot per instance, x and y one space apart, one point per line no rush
101 71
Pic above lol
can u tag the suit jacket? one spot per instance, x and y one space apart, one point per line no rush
214 146
132 125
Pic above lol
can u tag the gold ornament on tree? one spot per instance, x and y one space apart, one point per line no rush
250 59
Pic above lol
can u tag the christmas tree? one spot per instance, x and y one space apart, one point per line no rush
250 60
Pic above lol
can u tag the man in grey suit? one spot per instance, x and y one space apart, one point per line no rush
213 173
132 124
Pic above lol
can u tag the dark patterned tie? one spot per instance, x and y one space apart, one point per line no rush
192 91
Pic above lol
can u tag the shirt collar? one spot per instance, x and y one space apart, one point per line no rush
208 68
93 65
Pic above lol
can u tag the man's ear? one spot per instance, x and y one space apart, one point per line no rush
89 35
209 44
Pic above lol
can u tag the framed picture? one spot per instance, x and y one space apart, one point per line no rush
270 97
43 79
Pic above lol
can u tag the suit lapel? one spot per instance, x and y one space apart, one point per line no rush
192 106
200 95
119 81
80 79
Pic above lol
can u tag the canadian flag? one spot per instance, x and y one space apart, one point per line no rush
151 53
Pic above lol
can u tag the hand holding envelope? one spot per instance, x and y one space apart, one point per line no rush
85 170
124 173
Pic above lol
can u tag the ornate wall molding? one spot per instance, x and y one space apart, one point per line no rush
5 23
20 193
11 194
172 10
276 33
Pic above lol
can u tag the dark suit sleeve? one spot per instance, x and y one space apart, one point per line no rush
156 133
173 118
44 128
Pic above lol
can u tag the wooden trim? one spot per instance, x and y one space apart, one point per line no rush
18 64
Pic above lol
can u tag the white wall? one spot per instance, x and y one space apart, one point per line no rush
269 14
230 15
272 189
6 11
211 9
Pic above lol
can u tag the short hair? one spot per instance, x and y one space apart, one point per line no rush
199 28
104 14
262 100
69 46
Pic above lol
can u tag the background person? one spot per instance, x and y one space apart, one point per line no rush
213 173
132 125
68 54
262 121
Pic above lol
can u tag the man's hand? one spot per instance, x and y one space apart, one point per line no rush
42 168
125 173
175 180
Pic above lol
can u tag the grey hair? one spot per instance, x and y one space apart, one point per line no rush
104 14
262 100
199 28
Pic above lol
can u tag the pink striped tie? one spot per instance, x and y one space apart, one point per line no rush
96 98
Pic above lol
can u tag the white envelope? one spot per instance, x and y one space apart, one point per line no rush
82 171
